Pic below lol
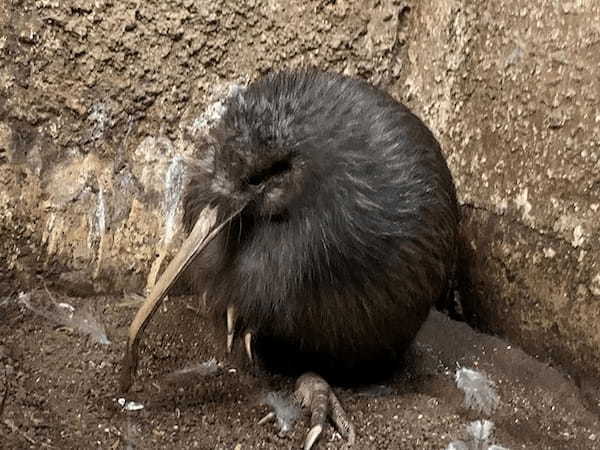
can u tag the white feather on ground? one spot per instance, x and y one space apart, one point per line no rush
66 315
480 391
286 411
480 433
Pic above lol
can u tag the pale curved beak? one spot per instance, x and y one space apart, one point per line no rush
204 231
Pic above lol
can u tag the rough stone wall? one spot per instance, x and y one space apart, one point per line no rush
100 100
513 90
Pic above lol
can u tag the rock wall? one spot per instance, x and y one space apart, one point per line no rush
513 90
100 101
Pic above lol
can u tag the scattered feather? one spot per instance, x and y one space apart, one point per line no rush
129 405
457 445
202 369
480 391
286 412
481 430
376 390
66 315
479 433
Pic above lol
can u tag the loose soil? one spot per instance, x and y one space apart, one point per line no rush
59 387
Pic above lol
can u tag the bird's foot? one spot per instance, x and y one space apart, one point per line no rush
314 393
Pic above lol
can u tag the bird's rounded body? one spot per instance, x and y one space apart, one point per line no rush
349 233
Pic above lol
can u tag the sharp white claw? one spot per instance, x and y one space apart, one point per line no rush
268 418
230 327
312 436
248 346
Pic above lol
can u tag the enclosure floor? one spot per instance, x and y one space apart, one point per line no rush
60 388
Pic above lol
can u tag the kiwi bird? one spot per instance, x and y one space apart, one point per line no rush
343 234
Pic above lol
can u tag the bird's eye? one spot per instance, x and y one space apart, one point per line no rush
277 168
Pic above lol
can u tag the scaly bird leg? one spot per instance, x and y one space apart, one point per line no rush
315 394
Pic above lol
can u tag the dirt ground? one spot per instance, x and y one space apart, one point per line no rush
59 386
95 102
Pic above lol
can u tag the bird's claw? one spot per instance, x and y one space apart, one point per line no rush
248 346
315 394
231 318
268 418
312 391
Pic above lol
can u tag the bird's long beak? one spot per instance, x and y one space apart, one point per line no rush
204 231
